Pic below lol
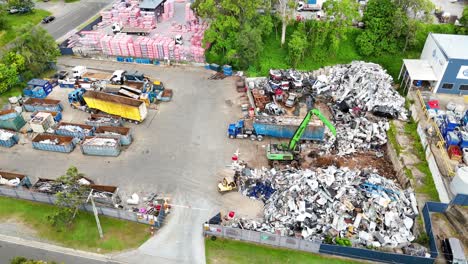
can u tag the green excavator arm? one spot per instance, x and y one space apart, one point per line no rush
302 127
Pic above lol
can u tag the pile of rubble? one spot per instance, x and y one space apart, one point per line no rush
362 206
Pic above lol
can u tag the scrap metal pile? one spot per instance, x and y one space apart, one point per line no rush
363 206
358 89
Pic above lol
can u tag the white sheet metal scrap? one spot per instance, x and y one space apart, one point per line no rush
74 129
364 85
6 135
365 207
97 141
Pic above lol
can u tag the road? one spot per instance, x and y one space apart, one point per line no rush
70 15
11 247
178 151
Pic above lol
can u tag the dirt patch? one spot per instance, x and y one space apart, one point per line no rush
360 160
243 206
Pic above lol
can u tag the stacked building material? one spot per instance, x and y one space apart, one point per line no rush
189 14
361 206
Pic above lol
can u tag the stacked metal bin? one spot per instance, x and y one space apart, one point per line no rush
10 119
8 138
56 143
101 146
110 131
36 104
97 120
25 182
86 130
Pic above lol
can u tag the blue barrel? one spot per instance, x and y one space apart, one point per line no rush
207 66
156 62
214 67
27 92
227 70
38 92
452 139
418 83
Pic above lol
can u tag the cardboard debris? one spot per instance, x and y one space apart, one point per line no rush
363 206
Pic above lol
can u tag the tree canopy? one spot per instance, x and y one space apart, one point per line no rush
70 199
38 48
236 28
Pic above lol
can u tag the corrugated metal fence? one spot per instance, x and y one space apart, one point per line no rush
111 212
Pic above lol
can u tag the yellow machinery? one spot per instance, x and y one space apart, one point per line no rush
227 184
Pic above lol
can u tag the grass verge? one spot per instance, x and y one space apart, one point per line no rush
118 234
16 21
428 186
15 91
230 251
391 134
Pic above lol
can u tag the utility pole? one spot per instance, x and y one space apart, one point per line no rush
95 214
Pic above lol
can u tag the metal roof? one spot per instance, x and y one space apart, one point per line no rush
420 70
150 4
454 46
37 82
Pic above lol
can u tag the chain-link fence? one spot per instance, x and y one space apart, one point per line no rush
263 238
311 246
25 194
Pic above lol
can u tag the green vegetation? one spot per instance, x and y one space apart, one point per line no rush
229 251
17 21
118 234
422 239
409 173
23 260
68 202
428 186
391 134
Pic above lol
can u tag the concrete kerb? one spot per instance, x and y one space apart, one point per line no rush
57 249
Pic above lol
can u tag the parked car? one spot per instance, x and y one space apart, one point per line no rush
13 10
24 10
48 19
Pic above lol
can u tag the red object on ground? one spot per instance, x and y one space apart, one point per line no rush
434 104
454 152
231 214
234 157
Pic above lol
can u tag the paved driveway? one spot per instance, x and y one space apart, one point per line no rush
178 151
70 15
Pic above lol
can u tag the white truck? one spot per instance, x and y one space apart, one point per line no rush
81 73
